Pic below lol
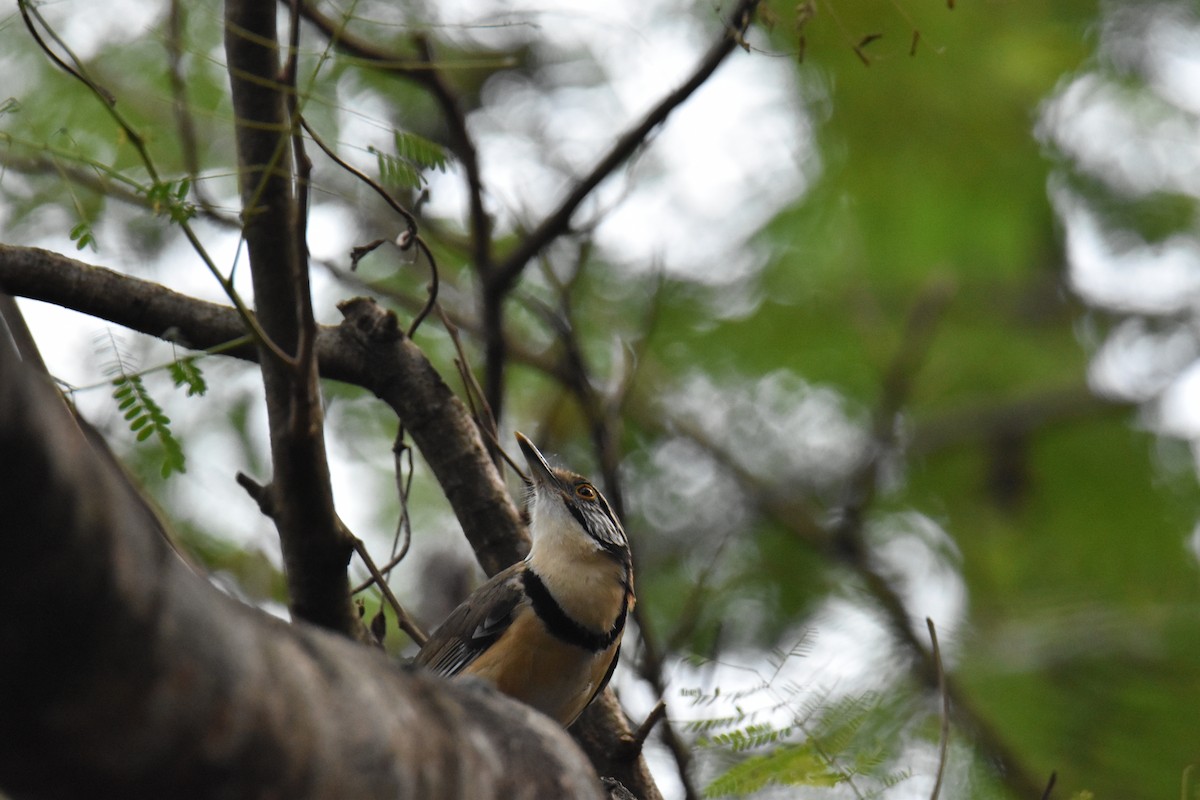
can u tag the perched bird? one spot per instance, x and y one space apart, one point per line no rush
547 630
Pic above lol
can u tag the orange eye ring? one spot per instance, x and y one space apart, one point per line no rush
586 491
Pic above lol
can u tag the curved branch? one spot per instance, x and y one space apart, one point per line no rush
402 376
173 689
398 372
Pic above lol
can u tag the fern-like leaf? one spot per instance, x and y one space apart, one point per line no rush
185 373
790 765
421 152
146 419
397 171
413 157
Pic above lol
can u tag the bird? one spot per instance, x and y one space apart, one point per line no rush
547 630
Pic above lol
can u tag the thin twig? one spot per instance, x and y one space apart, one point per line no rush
434 284
485 420
28 13
558 222
406 623
462 144
432 80
409 238
403 525
1050 786
374 185
403 490
638 740
944 737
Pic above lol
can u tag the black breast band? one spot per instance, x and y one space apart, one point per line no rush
560 623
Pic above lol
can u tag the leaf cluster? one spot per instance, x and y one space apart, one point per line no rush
146 419
414 155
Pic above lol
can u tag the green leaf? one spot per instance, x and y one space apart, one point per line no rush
792 765
82 235
420 152
414 155
146 418
185 373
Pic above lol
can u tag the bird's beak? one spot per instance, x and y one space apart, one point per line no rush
539 470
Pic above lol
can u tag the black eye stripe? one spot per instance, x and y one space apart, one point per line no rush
617 549
578 515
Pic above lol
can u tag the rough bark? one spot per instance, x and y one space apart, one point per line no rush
128 675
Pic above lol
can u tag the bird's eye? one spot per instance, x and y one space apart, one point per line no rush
586 491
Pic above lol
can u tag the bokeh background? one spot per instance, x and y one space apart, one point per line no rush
895 319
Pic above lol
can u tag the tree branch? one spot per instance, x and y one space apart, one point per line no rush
173 689
367 350
558 222
395 369
315 552
496 283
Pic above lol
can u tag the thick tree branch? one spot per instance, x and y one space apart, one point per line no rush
315 552
364 351
393 367
134 677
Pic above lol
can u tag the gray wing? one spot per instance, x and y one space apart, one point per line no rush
475 625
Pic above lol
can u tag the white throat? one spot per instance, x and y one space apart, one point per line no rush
585 580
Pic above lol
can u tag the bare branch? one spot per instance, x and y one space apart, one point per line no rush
1049 790
406 623
314 550
396 370
558 222
428 76
400 374
656 715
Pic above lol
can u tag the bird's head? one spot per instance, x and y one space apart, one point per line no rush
567 508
